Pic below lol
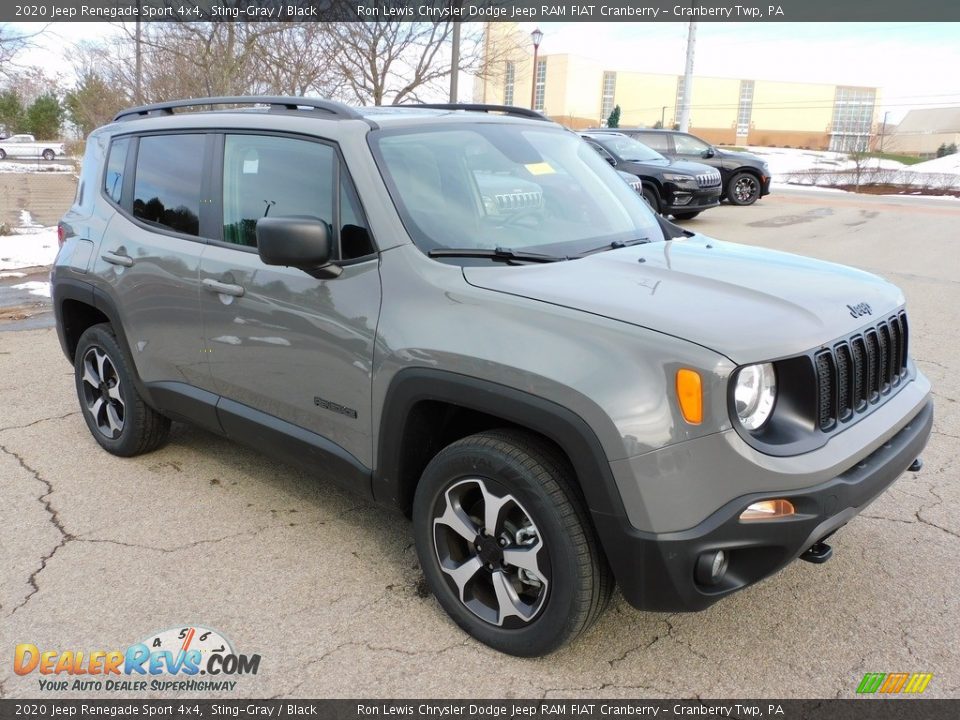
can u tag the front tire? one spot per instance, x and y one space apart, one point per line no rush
116 415
506 544
653 200
743 189
3 155
685 216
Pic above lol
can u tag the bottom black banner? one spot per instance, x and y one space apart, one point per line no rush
865 709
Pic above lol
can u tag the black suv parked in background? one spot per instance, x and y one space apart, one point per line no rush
672 187
746 177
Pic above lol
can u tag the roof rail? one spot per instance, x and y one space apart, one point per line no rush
482 107
275 102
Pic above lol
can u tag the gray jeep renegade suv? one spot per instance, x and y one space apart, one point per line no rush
463 312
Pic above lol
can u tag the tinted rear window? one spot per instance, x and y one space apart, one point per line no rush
168 182
658 141
113 179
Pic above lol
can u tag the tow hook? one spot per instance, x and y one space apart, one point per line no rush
916 465
818 553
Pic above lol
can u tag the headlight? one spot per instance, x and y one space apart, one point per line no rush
680 179
754 394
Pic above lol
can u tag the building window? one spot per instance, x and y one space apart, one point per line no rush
745 109
609 91
678 103
509 76
853 111
541 85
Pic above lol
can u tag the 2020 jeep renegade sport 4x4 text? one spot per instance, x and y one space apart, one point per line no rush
466 314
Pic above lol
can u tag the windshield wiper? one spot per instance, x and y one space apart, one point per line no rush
500 253
615 245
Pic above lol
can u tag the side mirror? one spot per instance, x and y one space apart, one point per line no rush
610 160
709 152
298 241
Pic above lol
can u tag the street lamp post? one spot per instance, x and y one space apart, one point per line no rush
536 36
663 116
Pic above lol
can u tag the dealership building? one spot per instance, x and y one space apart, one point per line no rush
580 93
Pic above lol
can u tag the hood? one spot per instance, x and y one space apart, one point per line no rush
747 303
737 157
681 166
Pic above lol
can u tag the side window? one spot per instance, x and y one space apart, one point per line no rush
117 159
689 145
267 176
657 141
355 238
274 176
603 153
167 188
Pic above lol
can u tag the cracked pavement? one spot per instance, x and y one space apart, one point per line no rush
98 552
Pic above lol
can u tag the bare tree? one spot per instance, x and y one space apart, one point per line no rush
12 44
396 62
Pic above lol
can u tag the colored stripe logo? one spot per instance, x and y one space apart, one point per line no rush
890 683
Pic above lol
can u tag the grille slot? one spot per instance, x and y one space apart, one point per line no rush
857 371
825 381
873 365
845 403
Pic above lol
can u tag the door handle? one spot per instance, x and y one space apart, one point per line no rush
220 288
115 259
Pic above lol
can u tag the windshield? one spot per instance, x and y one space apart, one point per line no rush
489 185
627 148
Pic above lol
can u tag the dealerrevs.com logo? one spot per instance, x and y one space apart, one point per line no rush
173 660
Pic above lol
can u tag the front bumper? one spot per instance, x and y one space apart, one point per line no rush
682 200
765 185
655 571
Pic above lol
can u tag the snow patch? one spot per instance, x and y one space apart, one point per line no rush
28 246
34 288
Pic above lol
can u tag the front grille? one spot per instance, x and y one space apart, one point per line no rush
707 180
856 372
519 200
638 186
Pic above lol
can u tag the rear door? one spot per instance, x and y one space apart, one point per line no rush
283 345
149 258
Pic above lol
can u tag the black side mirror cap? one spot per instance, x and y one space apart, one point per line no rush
299 241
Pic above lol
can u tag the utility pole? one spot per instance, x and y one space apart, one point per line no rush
663 115
139 61
688 79
455 62
883 129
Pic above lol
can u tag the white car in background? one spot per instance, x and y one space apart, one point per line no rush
27 146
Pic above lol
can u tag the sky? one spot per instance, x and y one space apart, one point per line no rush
914 64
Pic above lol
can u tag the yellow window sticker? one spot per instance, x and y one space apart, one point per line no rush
540 168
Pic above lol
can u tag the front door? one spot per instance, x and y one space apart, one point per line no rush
280 342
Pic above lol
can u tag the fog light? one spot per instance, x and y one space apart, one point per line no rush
682 198
768 510
711 567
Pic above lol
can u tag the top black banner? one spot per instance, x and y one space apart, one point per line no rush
480 11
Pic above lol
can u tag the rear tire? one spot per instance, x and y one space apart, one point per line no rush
537 578
3 155
116 415
685 216
49 154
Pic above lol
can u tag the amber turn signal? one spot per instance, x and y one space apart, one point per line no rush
690 395
768 510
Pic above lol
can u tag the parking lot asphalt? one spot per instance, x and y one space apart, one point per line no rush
98 552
